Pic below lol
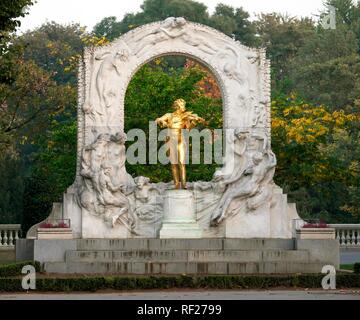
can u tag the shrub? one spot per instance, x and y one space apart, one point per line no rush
357 267
14 269
94 283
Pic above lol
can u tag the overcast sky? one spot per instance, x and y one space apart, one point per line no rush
89 12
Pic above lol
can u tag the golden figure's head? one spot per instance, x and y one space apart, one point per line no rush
179 104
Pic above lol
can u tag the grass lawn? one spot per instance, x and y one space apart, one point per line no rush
347 267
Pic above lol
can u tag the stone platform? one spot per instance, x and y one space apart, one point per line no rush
180 256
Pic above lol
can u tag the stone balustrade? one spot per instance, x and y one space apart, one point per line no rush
9 233
347 234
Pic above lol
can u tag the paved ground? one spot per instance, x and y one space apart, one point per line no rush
194 295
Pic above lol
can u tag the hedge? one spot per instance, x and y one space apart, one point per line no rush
14 269
93 283
357 267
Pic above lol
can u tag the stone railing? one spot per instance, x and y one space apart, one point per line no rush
8 235
347 234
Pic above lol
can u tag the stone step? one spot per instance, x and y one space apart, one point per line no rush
159 256
199 268
184 244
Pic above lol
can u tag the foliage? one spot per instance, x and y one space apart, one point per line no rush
94 283
235 23
152 10
12 187
231 21
57 48
348 15
155 10
349 267
310 166
53 173
282 36
327 69
151 94
26 106
56 156
207 86
14 269
45 134
10 11
357 267
109 28
52 46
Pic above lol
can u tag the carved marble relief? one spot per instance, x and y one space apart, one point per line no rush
106 184
251 179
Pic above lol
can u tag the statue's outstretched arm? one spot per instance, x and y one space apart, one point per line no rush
163 121
197 118
194 119
237 177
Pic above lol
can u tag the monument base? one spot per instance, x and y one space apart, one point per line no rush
179 216
180 256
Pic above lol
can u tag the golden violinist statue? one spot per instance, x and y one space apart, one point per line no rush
177 121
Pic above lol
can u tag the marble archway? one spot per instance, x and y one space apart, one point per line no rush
241 201
243 75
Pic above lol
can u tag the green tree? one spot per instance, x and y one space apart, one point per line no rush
52 173
151 94
334 82
27 106
110 28
326 68
234 23
282 36
10 11
152 10
318 158
346 11
12 187
343 152
39 102
231 21
54 48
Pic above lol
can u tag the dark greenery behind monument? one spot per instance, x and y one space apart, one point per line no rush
315 93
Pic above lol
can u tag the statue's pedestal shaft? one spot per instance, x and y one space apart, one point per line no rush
179 216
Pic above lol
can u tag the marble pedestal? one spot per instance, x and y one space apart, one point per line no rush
179 216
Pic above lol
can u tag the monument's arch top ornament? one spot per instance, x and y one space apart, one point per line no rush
241 201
